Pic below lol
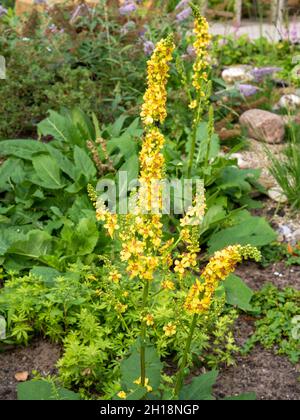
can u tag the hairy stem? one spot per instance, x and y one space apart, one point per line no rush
143 334
183 364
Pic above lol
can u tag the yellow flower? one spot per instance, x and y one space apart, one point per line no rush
149 319
114 276
193 104
169 329
122 395
121 308
125 294
147 386
154 106
168 285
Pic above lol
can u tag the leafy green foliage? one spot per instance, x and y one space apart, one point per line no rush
247 230
276 309
130 367
46 215
38 390
200 387
54 60
238 293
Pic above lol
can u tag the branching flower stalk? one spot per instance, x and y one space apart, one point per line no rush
145 254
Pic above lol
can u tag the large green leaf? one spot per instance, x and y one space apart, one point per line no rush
11 170
35 244
238 293
250 230
43 390
55 125
48 174
200 388
81 240
84 164
131 369
63 162
23 149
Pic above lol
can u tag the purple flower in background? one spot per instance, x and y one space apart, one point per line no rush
148 47
247 90
40 2
184 14
260 73
3 11
191 51
127 9
181 4
294 33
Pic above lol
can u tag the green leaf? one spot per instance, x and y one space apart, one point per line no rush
84 164
55 125
200 387
63 162
252 230
43 390
238 293
23 149
35 244
2 328
251 396
131 370
47 274
48 174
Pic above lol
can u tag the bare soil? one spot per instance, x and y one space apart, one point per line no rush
270 376
40 356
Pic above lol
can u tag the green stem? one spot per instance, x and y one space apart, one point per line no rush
183 364
192 151
143 334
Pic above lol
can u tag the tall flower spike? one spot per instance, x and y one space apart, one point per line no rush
154 107
201 44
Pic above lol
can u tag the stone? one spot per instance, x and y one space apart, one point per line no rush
289 102
296 235
263 125
235 74
276 194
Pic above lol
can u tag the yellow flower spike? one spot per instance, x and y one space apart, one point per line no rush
219 267
170 329
154 107
122 395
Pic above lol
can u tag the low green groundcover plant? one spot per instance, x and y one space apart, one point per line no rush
278 324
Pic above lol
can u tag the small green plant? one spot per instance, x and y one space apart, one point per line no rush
286 171
277 327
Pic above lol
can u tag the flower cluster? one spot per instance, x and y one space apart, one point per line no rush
154 107
222 264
